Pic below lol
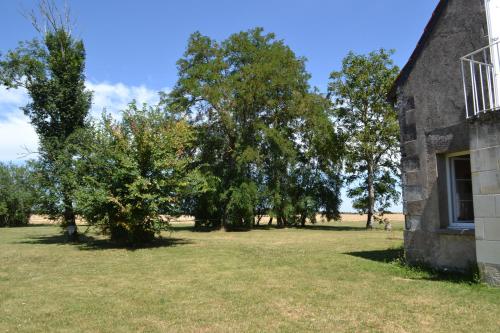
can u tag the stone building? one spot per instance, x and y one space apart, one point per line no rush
448 99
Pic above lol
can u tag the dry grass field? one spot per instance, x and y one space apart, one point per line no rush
40 219
352 217
345 217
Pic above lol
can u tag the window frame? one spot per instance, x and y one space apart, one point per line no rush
450 180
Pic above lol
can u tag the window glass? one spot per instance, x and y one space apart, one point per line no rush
461 190
462 167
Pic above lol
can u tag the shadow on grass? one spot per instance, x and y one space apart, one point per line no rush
209 229
333 227
28 226
310 227
318 226
87 242
396 257
273 227
389 255
182 227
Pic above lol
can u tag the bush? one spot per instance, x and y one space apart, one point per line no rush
133 171
17 195
240 209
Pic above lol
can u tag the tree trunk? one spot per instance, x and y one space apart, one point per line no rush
270 221
70 220
259 217
371 197
279 221
303 221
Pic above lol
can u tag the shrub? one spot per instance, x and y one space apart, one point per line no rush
240 209
17 195
134 170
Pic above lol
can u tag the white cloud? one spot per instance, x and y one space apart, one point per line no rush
12 97
17 136
115 97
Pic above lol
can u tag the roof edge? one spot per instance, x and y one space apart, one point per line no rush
406 70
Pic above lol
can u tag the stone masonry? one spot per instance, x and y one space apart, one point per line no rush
485 167
429 98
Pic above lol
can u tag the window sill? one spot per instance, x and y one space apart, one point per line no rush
457 231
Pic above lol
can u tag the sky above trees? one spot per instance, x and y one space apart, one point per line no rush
132 46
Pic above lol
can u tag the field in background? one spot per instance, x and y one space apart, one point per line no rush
333 277
352 217
41 219
346 217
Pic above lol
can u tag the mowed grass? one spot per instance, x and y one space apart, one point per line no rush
333 277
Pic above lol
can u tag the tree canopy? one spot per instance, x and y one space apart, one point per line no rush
241 135
18 196
51 69
262 134
369 124
135 169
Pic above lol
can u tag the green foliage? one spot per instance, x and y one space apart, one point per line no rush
369 125
241 204
56 178
265 141
135 169
17 195
52 71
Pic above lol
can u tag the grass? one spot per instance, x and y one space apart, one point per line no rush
333 277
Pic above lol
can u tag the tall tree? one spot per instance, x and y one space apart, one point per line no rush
51 69
257 122
369 124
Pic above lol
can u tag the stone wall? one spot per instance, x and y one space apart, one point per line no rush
485 167
432 120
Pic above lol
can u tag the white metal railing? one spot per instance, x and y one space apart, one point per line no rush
481 80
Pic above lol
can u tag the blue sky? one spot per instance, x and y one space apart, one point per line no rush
132 46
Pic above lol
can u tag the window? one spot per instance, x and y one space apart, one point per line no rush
461 206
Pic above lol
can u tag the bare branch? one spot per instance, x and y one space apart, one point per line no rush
49 17
28 152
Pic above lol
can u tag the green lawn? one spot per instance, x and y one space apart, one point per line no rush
331 278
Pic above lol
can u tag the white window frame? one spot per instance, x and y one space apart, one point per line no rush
450 177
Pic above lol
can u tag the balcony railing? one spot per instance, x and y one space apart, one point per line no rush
481 80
